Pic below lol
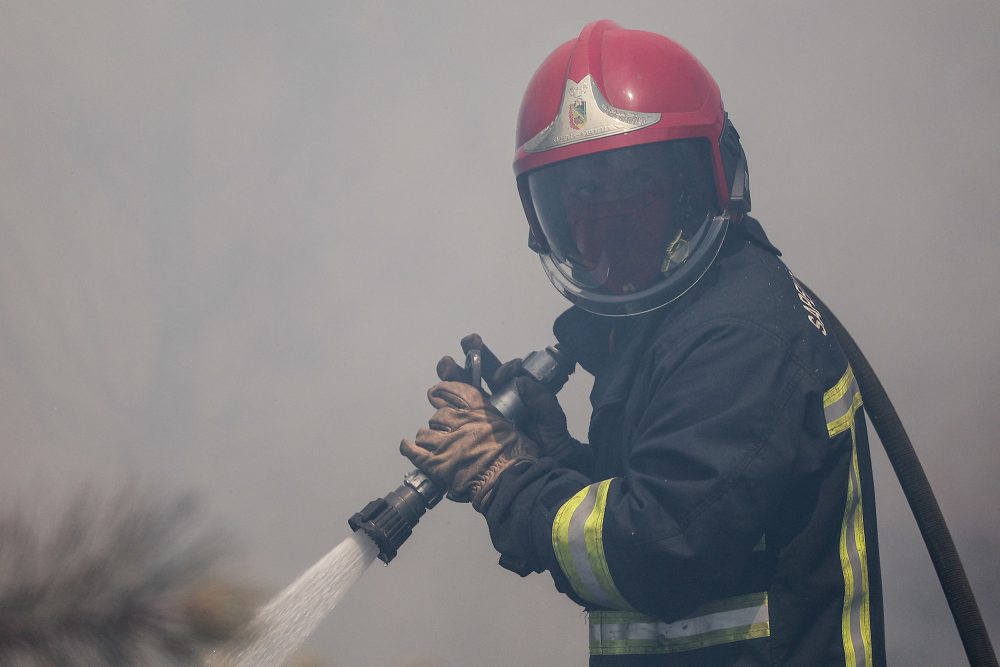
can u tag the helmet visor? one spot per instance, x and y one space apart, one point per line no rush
628 229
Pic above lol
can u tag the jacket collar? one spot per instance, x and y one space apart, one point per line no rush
585 336
610 347
606 347
755 234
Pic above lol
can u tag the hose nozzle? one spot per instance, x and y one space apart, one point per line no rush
389 521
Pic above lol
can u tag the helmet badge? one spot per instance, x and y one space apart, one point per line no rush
577 108
587 116
577 114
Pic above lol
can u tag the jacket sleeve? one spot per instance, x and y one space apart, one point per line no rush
711 454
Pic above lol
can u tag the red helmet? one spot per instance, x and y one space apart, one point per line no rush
628 169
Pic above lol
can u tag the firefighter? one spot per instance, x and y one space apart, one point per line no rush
722 512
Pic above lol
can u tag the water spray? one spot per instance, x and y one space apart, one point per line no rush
389 520
384 524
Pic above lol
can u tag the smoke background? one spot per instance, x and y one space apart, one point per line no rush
235 237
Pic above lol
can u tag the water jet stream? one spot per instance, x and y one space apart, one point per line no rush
286 621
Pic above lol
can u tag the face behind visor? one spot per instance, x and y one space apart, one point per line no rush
631 229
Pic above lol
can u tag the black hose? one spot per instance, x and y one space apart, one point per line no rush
918 493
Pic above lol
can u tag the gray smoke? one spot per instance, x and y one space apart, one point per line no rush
236 237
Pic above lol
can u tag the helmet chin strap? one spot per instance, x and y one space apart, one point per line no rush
739 196
732 150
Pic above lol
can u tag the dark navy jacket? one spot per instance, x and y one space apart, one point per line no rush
724 513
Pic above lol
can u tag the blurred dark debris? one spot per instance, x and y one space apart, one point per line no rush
116 578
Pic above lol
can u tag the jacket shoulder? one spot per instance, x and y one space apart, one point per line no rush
750 287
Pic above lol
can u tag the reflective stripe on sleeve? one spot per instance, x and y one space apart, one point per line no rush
841 403
578 542
721 622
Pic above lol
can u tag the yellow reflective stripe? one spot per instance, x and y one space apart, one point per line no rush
862 602
837 391
578 543
855 619
718 622
841 403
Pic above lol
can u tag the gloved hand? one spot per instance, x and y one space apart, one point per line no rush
467 444
544 420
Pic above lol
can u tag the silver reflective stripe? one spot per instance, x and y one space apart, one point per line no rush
723 622
585 114
585 581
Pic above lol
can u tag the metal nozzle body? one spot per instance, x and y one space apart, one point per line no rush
389 521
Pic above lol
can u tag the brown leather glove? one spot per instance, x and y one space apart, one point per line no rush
544 420
467 444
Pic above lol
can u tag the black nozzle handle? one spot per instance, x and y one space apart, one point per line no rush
551 367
